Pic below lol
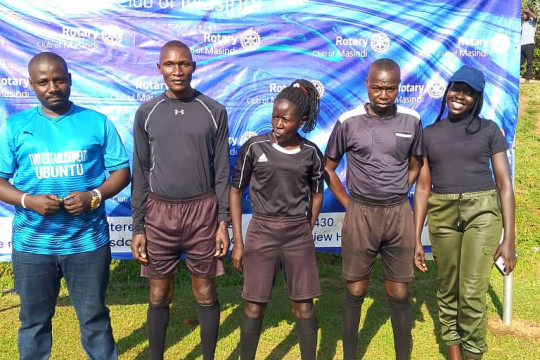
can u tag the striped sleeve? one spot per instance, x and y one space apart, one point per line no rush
317 181
243 166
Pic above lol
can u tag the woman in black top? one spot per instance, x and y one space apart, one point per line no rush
284 173
461 197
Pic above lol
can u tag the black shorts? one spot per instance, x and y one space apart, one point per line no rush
369 229
181 226
274 242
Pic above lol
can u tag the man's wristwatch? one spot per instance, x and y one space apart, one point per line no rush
96 199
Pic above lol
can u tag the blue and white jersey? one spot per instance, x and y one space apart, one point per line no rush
59 155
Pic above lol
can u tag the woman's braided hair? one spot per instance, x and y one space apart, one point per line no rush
306 97
475 111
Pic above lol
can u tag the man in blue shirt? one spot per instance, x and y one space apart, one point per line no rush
57 156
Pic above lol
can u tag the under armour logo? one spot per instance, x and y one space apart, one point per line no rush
176 112
262 158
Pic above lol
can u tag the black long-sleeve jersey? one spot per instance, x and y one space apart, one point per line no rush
180 151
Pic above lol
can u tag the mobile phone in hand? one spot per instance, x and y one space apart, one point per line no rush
499 263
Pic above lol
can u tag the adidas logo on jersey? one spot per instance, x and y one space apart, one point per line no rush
176 112
262 158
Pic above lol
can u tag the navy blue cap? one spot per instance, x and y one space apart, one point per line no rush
470 76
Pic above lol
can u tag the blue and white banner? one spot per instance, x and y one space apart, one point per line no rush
246 52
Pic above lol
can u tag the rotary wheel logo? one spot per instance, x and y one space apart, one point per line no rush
380 43
500 43
250 40
319 86
112 35
246 136
435 88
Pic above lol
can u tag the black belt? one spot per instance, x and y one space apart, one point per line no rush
386 202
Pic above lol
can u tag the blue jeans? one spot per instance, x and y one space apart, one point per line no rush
37 281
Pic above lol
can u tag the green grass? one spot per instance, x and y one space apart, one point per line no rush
128 294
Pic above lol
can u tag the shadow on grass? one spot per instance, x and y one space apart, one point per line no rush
9 308
328 306
278 310
496 301
127 288
183 316
138 336
225 329
328 310
375 316
423 291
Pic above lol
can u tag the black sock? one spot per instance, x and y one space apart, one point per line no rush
400 314
350 318
306 329
250 331
209 322
157 319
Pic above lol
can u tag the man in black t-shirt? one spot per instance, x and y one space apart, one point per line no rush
180 196
383 143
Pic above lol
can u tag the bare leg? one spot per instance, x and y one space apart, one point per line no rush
455 352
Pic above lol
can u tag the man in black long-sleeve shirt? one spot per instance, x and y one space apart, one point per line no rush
180 195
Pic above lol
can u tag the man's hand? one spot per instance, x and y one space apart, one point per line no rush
237 254
420 257
42 204
138 248
77 202
222 239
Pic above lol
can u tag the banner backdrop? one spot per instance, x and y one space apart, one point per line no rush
246 52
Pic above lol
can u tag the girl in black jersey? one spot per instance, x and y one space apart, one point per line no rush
457 190
284 172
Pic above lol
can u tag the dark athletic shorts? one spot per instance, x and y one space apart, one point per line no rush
176 226
371 227
279 242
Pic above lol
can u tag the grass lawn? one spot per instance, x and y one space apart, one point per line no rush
128 294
